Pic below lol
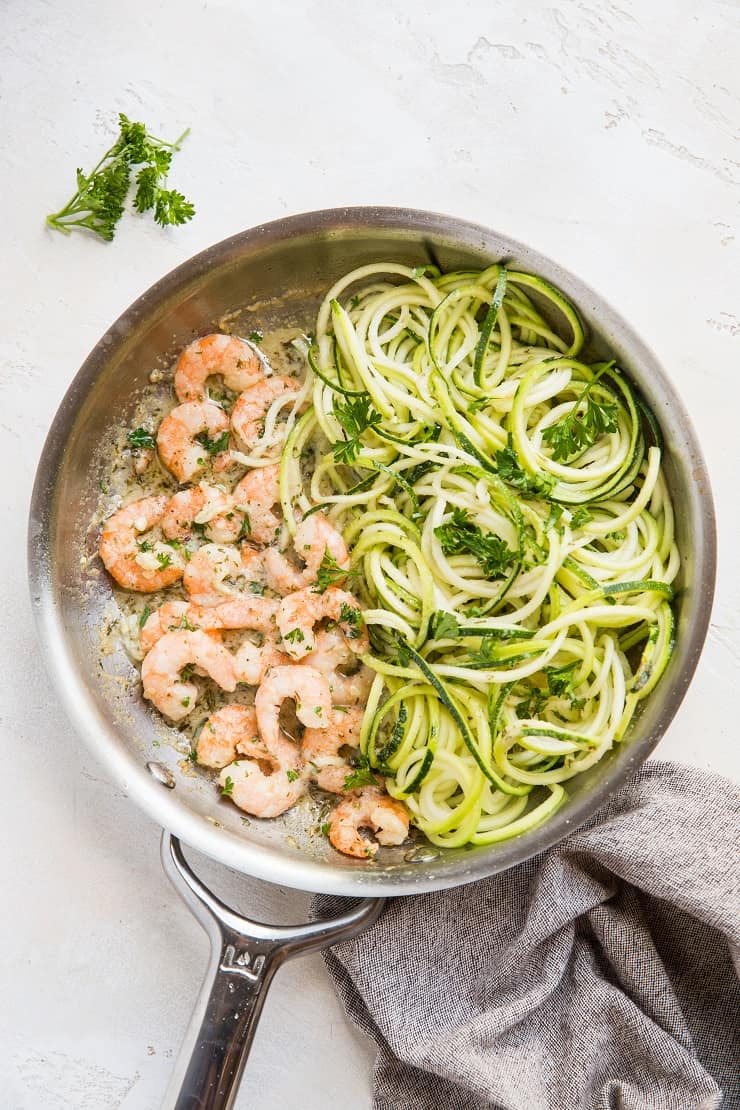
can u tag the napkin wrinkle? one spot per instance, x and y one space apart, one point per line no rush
597 975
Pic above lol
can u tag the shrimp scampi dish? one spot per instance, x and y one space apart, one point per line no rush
413 569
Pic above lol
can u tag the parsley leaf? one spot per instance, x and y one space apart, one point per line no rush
532 703
256 336
580 517
510 472
578 430
362 774
353 618
291 775
140 437
355 416
325 828
213 446
460 536
294 636
328 573
560 680
257 588
164 560
444 626
99 201
228 787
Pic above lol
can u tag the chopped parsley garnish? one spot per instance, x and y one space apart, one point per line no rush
291 775
185 702
187 672
352 618
257 588
99 201
362 774
213 446
164 560
509 470
144 545
294 636
245 529
460 536
329 573
228 787
579 430
146 612
256 336
140 437
325 828
444 626
355 416
580 517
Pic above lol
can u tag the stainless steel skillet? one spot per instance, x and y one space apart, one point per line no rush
273 276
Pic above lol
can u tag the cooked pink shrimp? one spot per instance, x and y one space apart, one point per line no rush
321 748
177 440
257 496
316 539
234 359
203 508
255 613
253 568
210 576
139 565
308 688
370 809
331 652
232 729
168 618
248 414
252 661
300 611
162 667
266 786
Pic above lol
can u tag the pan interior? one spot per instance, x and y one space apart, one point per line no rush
274 278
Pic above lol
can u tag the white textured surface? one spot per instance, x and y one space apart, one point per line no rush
601 133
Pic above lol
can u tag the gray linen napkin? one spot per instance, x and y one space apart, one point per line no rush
597 975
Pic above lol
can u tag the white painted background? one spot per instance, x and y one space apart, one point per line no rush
601 133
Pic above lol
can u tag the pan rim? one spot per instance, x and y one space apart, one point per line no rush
266 862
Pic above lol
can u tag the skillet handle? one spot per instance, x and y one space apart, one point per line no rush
245 955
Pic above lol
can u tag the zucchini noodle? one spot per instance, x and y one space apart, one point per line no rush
517 593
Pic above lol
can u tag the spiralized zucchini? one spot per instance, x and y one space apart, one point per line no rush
511 534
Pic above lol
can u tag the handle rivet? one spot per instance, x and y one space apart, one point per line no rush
161 774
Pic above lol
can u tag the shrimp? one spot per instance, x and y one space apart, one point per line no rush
230 730
203 508
331 652
136 565
266 785
167 618
369 809
248 414
177 438
256 496
172 695
320 748
210 576
253 662
315 540
305 685
256 613
300 611
234 359
253 569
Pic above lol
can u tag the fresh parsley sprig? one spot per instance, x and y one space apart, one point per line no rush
329 573
461 536
579 429
355 416
98 203
509 470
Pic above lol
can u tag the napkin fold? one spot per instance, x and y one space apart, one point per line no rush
598 974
